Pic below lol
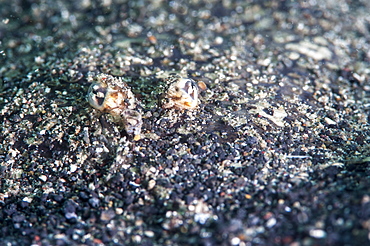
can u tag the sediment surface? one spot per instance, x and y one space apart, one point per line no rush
277 152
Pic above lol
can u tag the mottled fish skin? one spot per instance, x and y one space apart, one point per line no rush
182 93
111 95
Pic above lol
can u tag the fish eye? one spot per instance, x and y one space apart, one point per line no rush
112 95
186 96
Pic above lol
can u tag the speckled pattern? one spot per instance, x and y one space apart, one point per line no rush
276 153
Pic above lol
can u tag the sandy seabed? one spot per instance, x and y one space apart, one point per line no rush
276 153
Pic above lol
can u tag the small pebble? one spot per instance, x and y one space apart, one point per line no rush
271 222
235 241
107 215
317 233
43 178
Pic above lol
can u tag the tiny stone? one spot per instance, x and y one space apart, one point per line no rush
235 241
94 202
317 233
107 215
271 222
18 217
151 184
136 238
59 236
73 168
139 222
149 233
71 216
43 178
27 199
294 55
219 40
330 121
39 60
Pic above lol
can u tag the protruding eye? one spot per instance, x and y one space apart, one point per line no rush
112 95
190 89
182 93
187 85
100 93
96 96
